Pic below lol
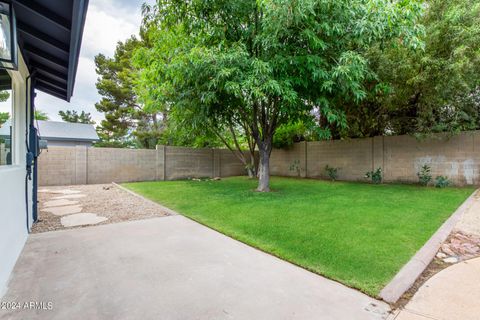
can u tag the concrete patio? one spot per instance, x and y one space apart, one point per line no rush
451 294
170 268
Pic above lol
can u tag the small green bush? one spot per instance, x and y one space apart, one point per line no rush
441 182
424 175
295 167
331 172
375 176
288 134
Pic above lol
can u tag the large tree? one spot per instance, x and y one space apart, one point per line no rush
75 117
436 89
126 120
4 116
41 115
189 123
266 63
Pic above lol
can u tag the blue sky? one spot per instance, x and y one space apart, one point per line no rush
108 21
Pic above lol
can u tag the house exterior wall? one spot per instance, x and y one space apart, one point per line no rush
13 225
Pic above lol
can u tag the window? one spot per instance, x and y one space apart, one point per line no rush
6 119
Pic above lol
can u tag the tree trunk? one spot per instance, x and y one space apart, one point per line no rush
251 172
252 168
264 167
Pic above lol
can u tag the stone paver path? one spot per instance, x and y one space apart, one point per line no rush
59 203
61 211
69 209
81 219
452 294
109 202
70 196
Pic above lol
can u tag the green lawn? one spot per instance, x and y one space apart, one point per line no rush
358 234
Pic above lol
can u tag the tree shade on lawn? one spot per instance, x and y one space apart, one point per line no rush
358 234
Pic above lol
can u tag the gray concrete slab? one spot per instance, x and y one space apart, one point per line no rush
409 273
171 268
452 294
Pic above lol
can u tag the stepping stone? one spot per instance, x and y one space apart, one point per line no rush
65 191
59 203
70 196
68 191
81 219
61 211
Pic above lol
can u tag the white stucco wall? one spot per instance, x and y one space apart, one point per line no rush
13 228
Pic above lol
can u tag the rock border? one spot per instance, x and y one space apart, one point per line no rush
409 273
170 212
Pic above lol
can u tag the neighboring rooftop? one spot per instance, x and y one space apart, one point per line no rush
66 131
5 128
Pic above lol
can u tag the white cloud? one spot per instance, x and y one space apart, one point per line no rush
108 21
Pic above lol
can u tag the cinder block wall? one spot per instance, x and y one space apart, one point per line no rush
456 157
291 162
182 163
105 165
57 166
352 157
84 165
400 158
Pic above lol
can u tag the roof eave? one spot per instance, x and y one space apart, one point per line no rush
68 139
78 24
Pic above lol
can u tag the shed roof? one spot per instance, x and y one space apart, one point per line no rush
49 36
66 131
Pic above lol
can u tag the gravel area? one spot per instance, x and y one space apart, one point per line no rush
105 200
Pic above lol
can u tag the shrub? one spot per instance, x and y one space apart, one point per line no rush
441 182
424 175
295 166
375 176
286 135
331 172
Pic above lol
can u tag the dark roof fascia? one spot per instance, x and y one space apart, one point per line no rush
78 23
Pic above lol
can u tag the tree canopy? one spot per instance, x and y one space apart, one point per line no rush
434 88
4 116
41 115
125 116
259 64
75 117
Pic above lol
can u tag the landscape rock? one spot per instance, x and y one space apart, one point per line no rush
81 219
61 211
450 260
70 196
446 249
59 203
441 255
